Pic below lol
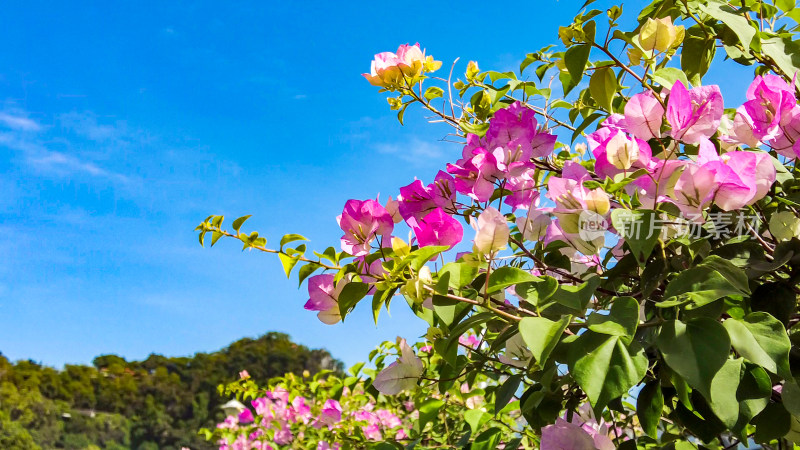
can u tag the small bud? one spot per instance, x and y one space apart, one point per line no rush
400 247
622 151
395 103
598 201
659 34
472 70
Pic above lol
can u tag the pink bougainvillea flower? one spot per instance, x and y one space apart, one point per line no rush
443 191
644 115
563 435
416 200
331 413
402 374
694 114
471 341
362 222
740 131
475 174
615 152
388 419
324 297
301 411
513 136
393 208
770 98
246 416
492 231
372 432
743 177
437 228
521 182
390 70
788 142
284 435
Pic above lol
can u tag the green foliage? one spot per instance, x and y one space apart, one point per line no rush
157 403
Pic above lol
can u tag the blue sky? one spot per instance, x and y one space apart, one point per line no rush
123 126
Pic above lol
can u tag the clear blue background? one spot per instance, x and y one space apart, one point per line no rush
124 124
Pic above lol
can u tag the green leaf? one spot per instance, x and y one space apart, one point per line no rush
478 129
736 276
649 406
505 392
761 339
237 224
350 295
306 270
506 276
729 16
578 296
433 92
605 368
487 440
785 5
668 75
461 274
537 293
621 320
575 59
696 350
447 309
291 238
603 86
288 263
697 54
723 392
428 411
639 231
422 255
772 423
700 285
476 418
542 335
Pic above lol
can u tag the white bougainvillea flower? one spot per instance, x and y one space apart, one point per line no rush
401 375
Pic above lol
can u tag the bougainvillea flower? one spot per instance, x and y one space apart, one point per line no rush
770 98
475 176
324 297
694 114
402 374
331 413
521 182
788 142
437 228
492 231
644 115
416 200
443 191
390 70
513 136
564 435
362 222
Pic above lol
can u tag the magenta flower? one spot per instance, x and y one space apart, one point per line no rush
246 416
513 136
324 297
331 413
471 341
644 116
362 222
416 200
443 191
372 432
770 98
524 188
475 174
611 147
437 228
694 114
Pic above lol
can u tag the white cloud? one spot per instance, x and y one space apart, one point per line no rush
415 151
64 164
18 122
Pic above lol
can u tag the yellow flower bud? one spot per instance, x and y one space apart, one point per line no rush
598 201
659 34
472 70
400 247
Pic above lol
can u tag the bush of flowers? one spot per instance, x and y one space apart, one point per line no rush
613 259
